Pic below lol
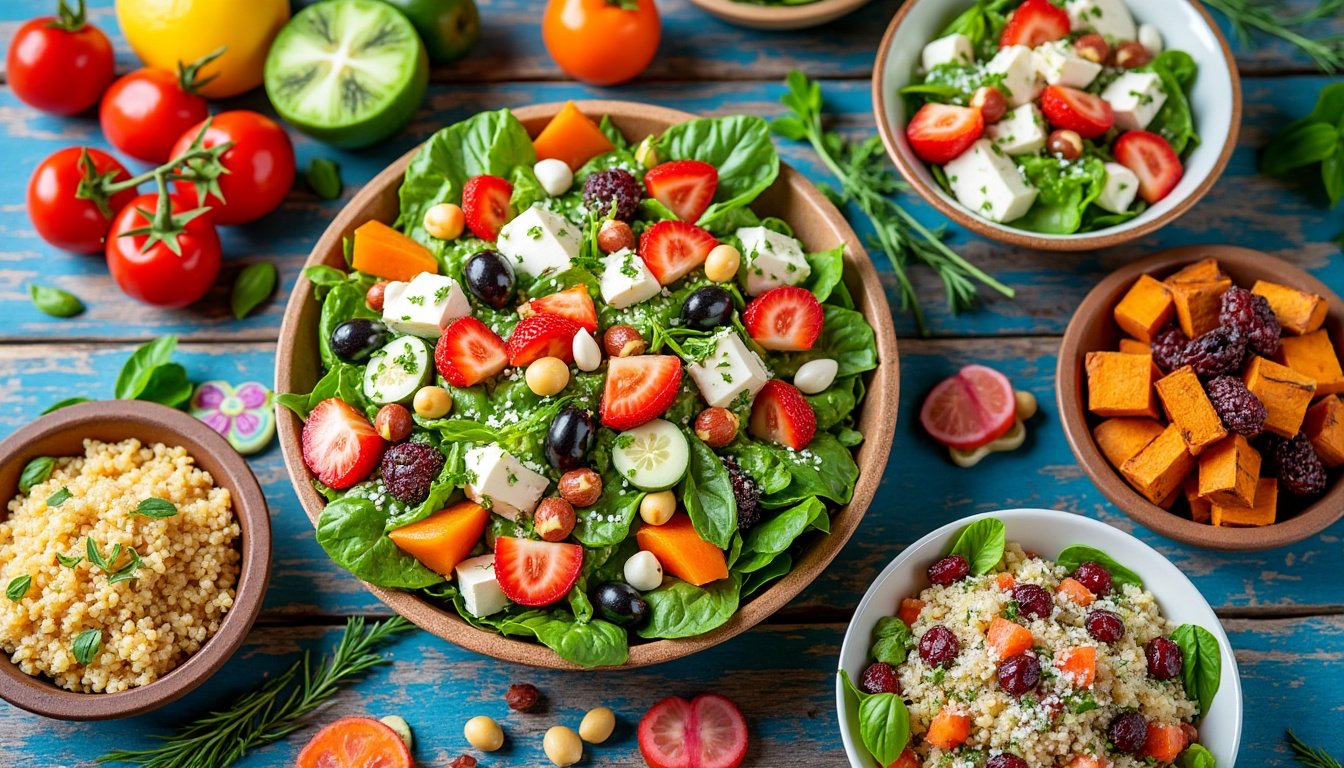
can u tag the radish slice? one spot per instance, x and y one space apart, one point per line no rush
973 408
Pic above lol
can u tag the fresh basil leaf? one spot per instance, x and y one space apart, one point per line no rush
589 644
18 587
1306 144
135 375
86 645
1201 664
892 640
738 146
342 380
777 567
351 531
254 284
1076 555
827 269
127 571
884 724
1329 105
155 508
67 561
707 494
324 178
35 472
58 498
168 385
54 301
982 544
59 404
680 609
1195 756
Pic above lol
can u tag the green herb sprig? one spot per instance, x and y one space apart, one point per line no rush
55 301
108 565
1316 138
1312 757
1249 16
18 587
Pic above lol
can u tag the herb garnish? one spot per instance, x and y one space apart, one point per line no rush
87 645
254 284
108 565
58 498
156 508
1247 15
1317 138
54 301
18 587
35 472
1312 757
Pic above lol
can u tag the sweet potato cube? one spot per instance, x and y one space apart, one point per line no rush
1261 512
1324 427
1200 508
1285 393
1135 347
1122 439
1228 472
1145 309
1313 355
1161 466
1197 305
1189 408
1120 384
1199 272
1298 312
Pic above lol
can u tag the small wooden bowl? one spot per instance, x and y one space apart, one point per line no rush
793 198
62 433
1093 328
779 17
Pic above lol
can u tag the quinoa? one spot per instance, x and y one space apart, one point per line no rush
150 624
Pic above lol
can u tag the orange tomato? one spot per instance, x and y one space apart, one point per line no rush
603 42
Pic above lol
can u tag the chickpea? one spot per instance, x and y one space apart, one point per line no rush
547 376
562 746
722 263
597 725
484 733
432 402
1026 404
445 221
657 508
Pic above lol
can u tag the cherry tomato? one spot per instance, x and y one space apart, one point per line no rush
155 274
144 112
260 166
60 64
59 216
599 41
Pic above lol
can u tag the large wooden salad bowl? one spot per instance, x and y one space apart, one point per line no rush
792 197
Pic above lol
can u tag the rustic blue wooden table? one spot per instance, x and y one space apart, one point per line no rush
1284 609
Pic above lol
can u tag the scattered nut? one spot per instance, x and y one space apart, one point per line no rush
402 728
597 725
623 341
991 103
657 508
547 376
580 487
523 697
643 572
1131 55
553 519
615 235
815 376
716 427
1092 47
1064 144
375 295
722 263
484 733
587 355
463 761
432 402
562 746
393 423
445 221
1026 404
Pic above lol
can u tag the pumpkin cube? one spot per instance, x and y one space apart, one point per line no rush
1161 467
1285 393
1199 272
1145 309
1135 347
1229 471
1324 427
1120 384
1201 509
1122 439
1189 408
1197 305
1261 512
1298 312
1313 355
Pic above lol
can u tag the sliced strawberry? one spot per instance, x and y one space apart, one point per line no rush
536 572
1034 23
542 335
781 414
469 352
638 389
572 303
785 319
706 732
685 186
939 133
340 446
485 205
1079 111
1152 159
673 249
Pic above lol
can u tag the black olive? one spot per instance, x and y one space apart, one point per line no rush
620 604
569 439
489 277
707 308
355 340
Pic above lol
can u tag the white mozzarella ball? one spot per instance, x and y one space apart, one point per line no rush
554 175
643 571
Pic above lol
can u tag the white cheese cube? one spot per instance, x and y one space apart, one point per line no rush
728 371
1108 18
481 595
424 306
1020 132
987 182
1021 74
537 240
1061 65
1135 98
1120 188
497 480
953 49
771 259
626 279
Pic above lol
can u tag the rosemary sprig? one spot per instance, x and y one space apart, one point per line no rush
867 181
271 712
1312 757
1268 17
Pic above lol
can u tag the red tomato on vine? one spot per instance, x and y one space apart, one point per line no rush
60 64
163 252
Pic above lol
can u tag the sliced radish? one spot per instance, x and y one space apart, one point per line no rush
973 408
706 732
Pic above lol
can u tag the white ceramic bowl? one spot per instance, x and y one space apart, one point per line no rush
1046 532
1215 101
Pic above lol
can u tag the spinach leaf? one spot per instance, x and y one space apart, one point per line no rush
761 462
613 134
982 544
726 225
140 368
1201 664
324 178
983 23
884 724
845 337
254 284
780 565
589 644
35 472
1175 120
54 301
680 609
825 468
1065 192
1195 756
1078 554
707 494
527 189
554 282
827 269
892 640
343 380
738 146
773 536
69 401
834 405
350 529
608 521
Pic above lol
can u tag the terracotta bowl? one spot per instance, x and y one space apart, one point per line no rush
815 221
779 17
1215 101
62 433
1093 329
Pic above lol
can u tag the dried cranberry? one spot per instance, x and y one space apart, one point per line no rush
1128 732
1297 465
1168 347
1218 352
463 761
939 646
1240 410
522 697
950 569
1033 601
1253 318
880 677
1019 675
1104 626
1164 658
600 189
1095 577
1006 761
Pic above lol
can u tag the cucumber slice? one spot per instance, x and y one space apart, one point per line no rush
653 457
347 72
397 371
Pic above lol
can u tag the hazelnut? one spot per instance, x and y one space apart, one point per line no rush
463 761
615 235
1092 47
716 427
1131 55
580 487
553 519
523 697
393 423
991 103
1066 145
375 295
623 341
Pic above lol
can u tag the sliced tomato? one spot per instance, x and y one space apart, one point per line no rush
485 205
536 573
541 336
685 186
469 352
785 319
781 414
639 389
572 304
939 133
1153 160
975 407
673 249
355 742
706 732
1034 23
1079 111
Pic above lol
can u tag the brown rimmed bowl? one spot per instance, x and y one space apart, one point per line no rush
779 17
62 433
1215 102
792 197
1094 329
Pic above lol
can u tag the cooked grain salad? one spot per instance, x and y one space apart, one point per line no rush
116 565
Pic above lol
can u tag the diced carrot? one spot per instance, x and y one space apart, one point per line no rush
1075 591
1087 761
682 552
571 136
910 609
908 759
1007 639
1164 742
1079 665
445 538
948 730
1005 580
383 251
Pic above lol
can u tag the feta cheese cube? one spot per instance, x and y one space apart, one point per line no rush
480 590
1061 65
987 182
771 259
537 240
1021 74
424 306
1020 132
728 371
1135 97
626 279
1120 188
953 49
503 483
1108 18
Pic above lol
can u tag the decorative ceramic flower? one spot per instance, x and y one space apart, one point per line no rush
243 415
